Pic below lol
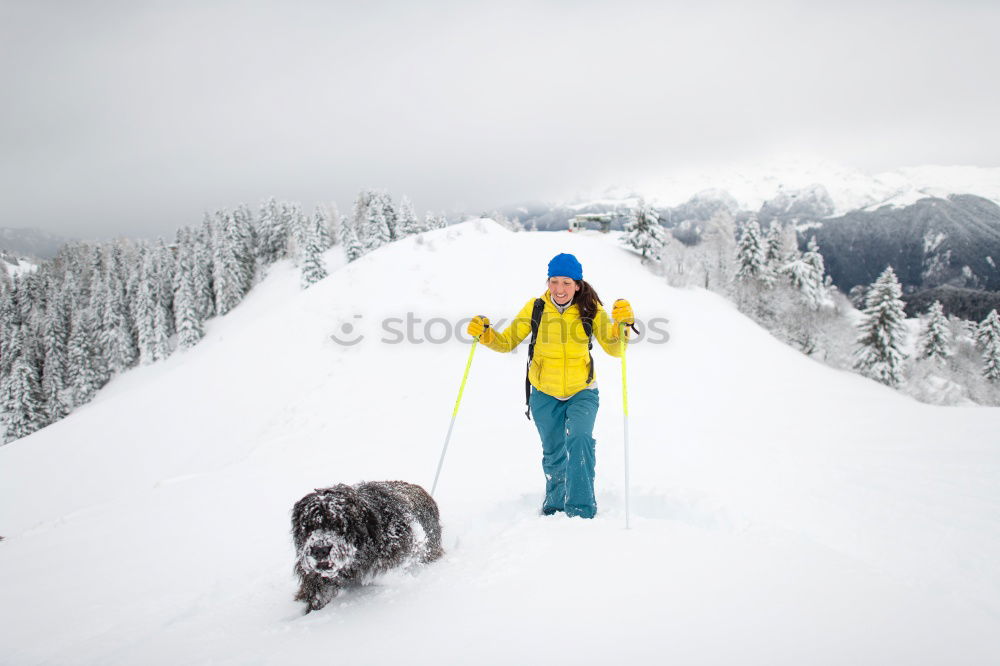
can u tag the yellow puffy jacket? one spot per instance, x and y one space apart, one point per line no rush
561 362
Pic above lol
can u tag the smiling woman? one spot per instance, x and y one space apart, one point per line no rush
561 386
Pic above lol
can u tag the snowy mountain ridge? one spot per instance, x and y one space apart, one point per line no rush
783 512
849 189
32 242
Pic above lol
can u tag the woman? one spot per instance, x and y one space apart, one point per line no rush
563 396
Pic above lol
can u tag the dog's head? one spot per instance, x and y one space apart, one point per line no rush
329 527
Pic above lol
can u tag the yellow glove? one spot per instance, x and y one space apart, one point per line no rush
622 313
479 327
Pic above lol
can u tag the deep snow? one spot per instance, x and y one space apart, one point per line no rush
782 512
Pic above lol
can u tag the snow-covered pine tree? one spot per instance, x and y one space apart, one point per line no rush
882 332
297 232
245 242
429 222
935 338
64 264
982 331
644 233
389 213
333 225
21 396
189 326
11 346
58 402
96 257
353 248
149 315
806 274
55 374
28 293
753 279
988 341
272 233
202 267
323 224
118 331
376 229
8 310
186 307
241 240
408 222
814 258
80 262
182 263
98 301
224 291
164 322
165 267
774 251
88 369
359 216
751 254
231 264
299 228
441 221
313 267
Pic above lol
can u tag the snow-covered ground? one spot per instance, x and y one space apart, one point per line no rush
782 512
20 268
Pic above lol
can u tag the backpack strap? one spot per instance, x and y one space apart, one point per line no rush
536 318
588 328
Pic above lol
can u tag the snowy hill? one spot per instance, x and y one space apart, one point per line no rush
783 512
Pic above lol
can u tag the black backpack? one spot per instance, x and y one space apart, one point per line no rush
536 318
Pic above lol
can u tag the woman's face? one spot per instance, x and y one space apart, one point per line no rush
562 289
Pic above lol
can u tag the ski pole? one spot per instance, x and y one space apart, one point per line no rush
621 337
454 413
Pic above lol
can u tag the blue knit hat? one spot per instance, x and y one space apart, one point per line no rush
565 265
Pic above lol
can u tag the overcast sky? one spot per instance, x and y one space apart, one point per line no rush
133 118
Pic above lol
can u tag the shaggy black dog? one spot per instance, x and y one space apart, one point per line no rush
347 535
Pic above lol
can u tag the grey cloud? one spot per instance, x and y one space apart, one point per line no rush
120 118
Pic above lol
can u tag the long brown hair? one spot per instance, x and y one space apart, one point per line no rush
587 301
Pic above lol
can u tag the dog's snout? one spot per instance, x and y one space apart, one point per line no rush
321 552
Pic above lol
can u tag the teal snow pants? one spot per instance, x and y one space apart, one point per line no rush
566 428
